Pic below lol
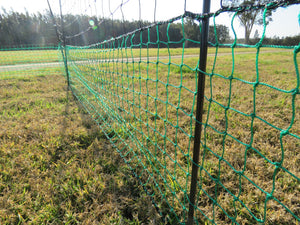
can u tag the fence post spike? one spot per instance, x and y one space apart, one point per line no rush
199 110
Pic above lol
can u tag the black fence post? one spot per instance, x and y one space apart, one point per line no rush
199 110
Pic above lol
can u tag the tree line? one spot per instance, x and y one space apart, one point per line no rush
38 29
26 29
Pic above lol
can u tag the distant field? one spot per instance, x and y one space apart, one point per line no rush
24 63
28 56
54 55
57 167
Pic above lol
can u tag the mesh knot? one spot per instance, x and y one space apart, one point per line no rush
258 45
277 165
296 91
269 197
284 132
240 173
256 84
296 49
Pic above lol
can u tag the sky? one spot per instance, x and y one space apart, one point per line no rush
285 20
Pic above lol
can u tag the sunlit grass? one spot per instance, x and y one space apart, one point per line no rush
58 167
77 54
28 56
55 165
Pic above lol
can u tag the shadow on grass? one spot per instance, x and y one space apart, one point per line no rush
121 194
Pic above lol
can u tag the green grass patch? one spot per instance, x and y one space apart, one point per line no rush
26 74
55 166
28 56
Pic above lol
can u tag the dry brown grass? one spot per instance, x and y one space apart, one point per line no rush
55 165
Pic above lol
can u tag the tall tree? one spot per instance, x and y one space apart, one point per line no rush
192 32
251 17
222 33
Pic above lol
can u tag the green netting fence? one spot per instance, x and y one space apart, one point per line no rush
29 60
142 93
144 101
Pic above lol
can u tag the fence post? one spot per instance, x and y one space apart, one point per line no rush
199 110
62 40
64 52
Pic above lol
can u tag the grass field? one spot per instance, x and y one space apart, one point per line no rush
26 62
55 165
28 56
58 167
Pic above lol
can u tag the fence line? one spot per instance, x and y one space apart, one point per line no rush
143 93
144 101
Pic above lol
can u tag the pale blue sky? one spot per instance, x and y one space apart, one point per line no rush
285 20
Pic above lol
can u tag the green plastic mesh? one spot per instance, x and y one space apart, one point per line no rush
142 102
142 93
249 163
143 99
